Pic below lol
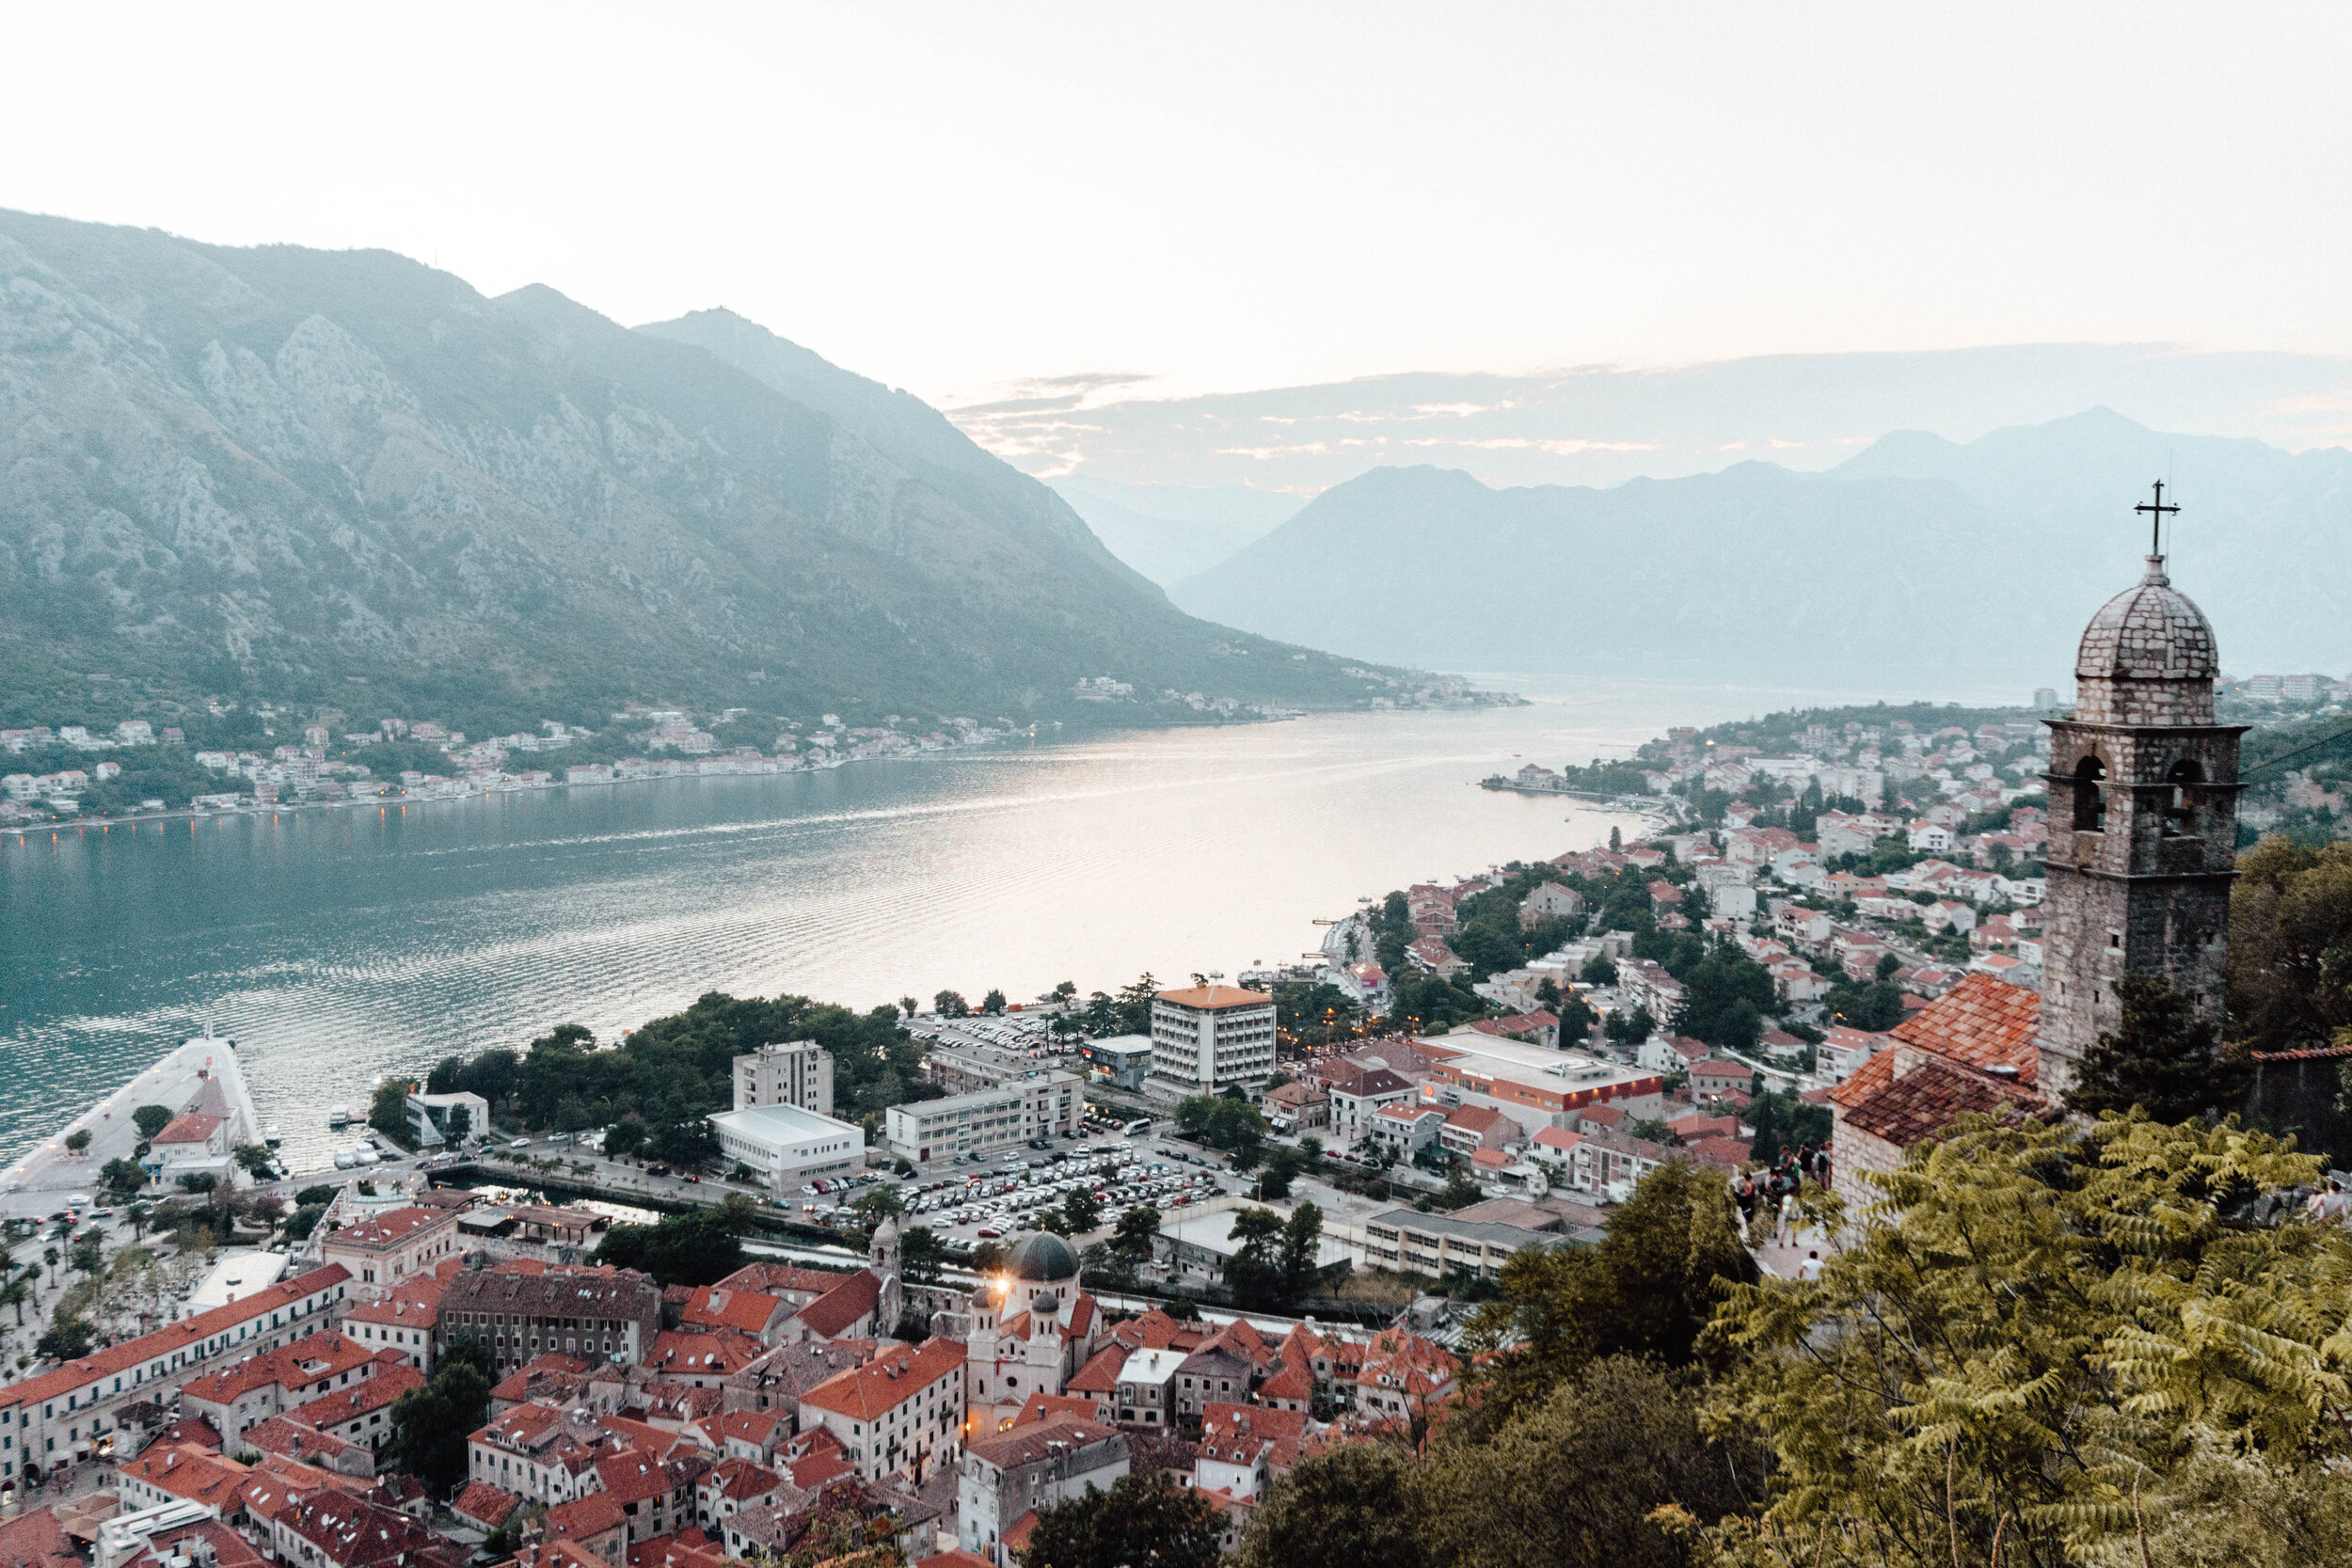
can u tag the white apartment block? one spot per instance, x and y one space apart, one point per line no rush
796 1072
1206 1036
984 1122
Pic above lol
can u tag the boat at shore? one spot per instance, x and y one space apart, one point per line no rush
339 1115
272 1137
343 1160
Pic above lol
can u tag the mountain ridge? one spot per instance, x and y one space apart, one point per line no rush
316 476
1916 556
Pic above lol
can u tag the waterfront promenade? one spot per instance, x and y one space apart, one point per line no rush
204 1067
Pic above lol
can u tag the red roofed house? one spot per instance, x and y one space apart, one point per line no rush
702 1360
745 1312
362 1413
1244 1447
389 1248
900 1413
1433 955
191 1144
403 1320
332 1529
277 1382
595 1524
1973 1049
483 1506
1469 1128
732 1485
656 1495
1007 1477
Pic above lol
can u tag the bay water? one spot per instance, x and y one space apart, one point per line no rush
336 945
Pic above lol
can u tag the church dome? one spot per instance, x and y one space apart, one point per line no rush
2151 631
1043 1256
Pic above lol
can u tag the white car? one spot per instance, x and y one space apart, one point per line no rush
519 1143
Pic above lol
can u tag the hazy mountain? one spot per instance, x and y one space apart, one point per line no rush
1918 555
1603 424
1170 531
346 476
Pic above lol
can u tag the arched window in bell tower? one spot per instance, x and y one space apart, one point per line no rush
2091 801
2180 807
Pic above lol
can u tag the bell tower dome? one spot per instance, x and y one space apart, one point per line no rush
2143 819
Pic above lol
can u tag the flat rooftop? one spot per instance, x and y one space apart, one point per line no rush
1491 1055
774 1122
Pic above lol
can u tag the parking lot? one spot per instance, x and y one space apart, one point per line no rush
984 1203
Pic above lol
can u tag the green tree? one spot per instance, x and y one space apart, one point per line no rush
66 1338
921 1255
388 1112
1648 1290
1135 1004
625 1136
2290 983
253 1159
1631 1029
950 1003
1302 1235
149 1120
700 1248
1254 1272
1131 1239
687 1144
122 1176
1081 1210
883 1200
2031 1333
78 1140
198 1183
430 1425
994 1002
1357 1505
2166 1057
16 1293
1575 1480
1144 1521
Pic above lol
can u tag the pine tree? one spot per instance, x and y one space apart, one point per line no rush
2166 1058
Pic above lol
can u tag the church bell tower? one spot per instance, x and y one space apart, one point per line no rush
2143 817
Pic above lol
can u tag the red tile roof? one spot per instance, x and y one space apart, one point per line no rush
189 1126
1924 1100
837 1311
485 1505
160 1344
389 1228
717 1307
868 1392
582 1518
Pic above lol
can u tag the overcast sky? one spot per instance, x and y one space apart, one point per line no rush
954 197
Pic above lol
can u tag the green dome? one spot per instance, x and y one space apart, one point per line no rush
1043 1256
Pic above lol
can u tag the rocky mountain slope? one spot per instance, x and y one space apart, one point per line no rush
1919 556
322 476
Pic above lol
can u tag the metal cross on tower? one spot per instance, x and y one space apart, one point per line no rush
2155 509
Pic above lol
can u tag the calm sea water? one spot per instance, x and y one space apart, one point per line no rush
338 945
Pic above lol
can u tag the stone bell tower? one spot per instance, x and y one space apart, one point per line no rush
2143 818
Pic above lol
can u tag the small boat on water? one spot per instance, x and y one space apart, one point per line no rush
343 1160
366 1156
272 1137
339 1115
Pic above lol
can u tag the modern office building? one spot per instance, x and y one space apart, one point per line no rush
796 1072
1206 1036
985 1121
788 1145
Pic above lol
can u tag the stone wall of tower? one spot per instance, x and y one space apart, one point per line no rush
2146 890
